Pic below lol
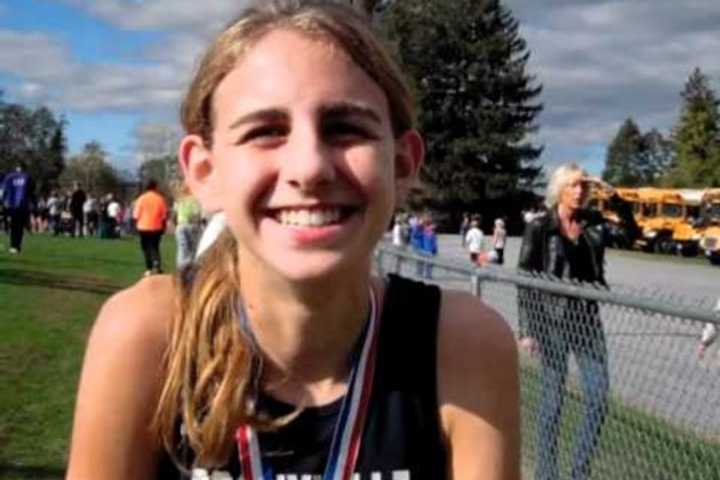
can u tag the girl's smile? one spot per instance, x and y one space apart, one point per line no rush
313 225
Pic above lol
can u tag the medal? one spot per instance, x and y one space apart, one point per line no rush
347 437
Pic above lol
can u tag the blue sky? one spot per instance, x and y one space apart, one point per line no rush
117 68
88 41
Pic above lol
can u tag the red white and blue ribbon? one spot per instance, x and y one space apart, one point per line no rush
347 438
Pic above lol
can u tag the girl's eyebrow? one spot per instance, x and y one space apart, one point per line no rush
334 110
264 115
347 109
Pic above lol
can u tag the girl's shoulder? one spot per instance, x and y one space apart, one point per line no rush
136 321
471 330
143 309
120 383
478 390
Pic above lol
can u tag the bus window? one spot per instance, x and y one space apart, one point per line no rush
714 211
672 210
692 211
648 209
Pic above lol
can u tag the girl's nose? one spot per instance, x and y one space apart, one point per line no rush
310 164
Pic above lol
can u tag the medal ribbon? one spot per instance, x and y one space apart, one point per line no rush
347 437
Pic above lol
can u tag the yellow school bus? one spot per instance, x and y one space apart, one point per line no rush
710 238
671 220
599 200
687 234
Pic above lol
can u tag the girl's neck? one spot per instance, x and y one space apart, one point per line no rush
306 333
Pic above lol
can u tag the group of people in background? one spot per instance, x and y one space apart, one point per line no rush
473 239
80 214
418 232
77 213
151 214
73 213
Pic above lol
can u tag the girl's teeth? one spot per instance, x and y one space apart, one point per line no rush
312 218
303 217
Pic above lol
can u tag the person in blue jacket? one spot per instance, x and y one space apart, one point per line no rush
417 242
430 248
17 197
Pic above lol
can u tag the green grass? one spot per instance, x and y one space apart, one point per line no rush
49 296
633 445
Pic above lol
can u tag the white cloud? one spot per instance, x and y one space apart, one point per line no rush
182 51
602 61
125 88
160 14
34 53
50 74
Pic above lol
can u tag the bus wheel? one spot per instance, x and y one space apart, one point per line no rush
664 244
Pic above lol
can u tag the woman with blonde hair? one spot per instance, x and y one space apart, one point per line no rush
568 243
285 357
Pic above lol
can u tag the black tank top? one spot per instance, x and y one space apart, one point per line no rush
402 439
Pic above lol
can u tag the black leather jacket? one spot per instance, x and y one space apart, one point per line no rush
543 252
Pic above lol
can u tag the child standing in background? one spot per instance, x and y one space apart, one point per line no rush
498 240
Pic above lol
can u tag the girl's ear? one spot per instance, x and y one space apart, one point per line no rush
409 157
196 162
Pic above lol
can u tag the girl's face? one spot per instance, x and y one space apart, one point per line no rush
574 194
303 159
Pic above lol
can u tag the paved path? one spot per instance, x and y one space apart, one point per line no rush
653 364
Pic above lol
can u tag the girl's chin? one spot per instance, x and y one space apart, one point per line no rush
315 266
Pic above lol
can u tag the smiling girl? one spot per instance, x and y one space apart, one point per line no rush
280 355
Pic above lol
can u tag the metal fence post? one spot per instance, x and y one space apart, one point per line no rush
399 259
475 286
379 262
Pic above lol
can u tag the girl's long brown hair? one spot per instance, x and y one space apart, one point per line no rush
209 362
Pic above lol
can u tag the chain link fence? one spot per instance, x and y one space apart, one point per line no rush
615 389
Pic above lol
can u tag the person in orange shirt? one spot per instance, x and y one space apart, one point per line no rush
150 216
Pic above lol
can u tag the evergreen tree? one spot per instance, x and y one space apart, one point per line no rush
477 101
658 157
624 158
370 7
697 136
56 151
367 6
32 136
42 162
